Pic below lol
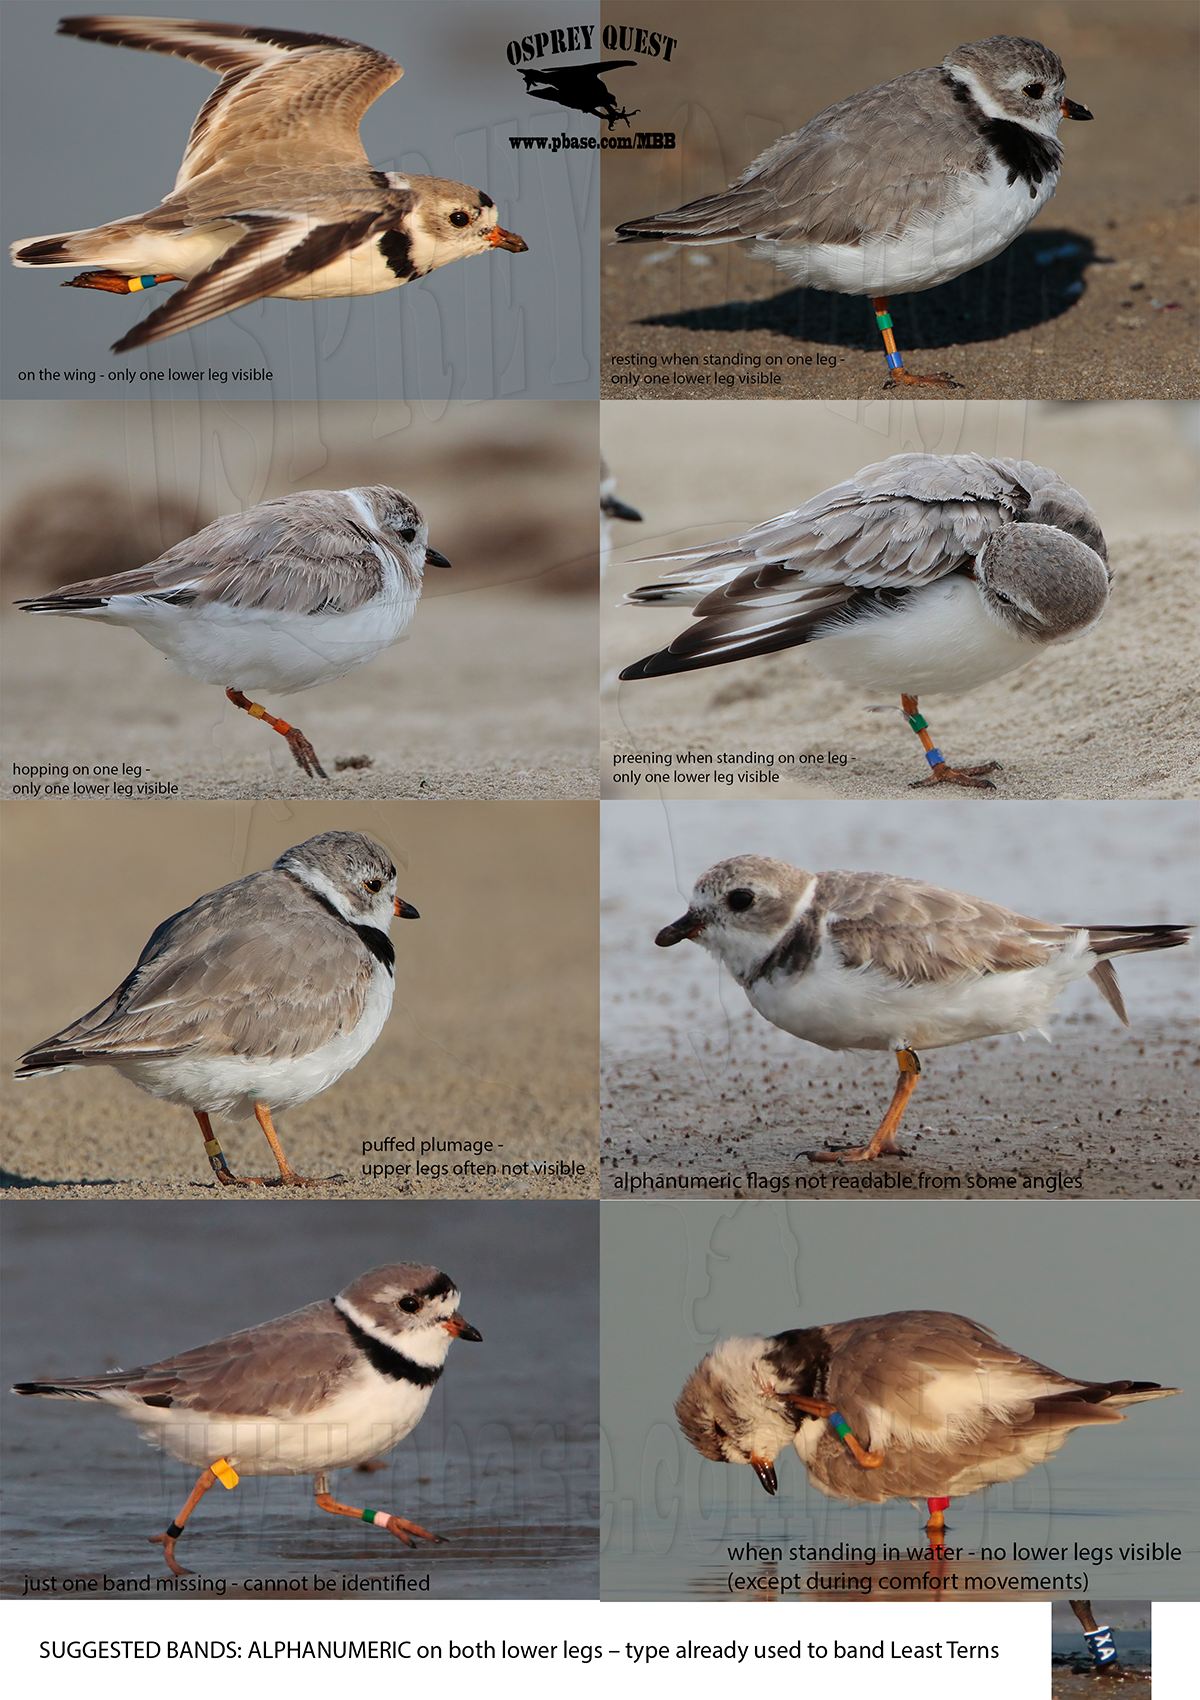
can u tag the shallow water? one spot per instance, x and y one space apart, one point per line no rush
1094 1291
503 1465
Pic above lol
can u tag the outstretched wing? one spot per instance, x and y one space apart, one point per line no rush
308 92
896 525
277 249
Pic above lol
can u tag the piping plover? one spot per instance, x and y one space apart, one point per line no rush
321 1389
901 187
255 997
292 593
917 1404
611 508
921 574
876 962
275 195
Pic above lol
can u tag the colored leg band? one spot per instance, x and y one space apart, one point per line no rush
938 1504
884 321
918 722
935 758
839 1425
895 360
1100 1642
136 283
225 1473
174 1530
379 1517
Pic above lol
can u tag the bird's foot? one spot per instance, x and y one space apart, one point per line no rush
972 777
118 283
410 1533
304 754
902 378
288 1177
854 1154
167 1543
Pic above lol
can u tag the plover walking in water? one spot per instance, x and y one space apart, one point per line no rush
293 593
901 187
321 1389
254 998
917 1404
875 962
275 195
921 574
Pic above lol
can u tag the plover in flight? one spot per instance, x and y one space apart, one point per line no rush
921 574
294 592
875 962
275 195
254 998
321 1389
901 187
917 1404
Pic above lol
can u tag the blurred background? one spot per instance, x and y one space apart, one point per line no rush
1111 714
491 693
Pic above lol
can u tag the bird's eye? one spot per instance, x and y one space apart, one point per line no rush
1035 91
740 899
409 1303
409 533
1000 597
459 219
372 885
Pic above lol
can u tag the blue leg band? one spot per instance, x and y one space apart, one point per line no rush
894 360
1100 1642
934 757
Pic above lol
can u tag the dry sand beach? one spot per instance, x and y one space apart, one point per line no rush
1110 715
1097 299
492 692
694 1083
492 1034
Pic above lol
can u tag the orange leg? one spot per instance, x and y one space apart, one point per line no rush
409 1533
118 283
898 374
822 1408
883 1141
937 1516
212 1150
939 772
287 1175
302 750
175 1529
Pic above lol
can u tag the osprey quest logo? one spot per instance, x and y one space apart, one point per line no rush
582 85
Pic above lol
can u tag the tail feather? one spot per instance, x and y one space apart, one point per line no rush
61 603
69 248
1127 941
58 1389
1099 1393
42 1060
710 219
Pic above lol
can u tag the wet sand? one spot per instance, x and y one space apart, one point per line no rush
1110 714
511 1491
695 1084
492 1035
1097 299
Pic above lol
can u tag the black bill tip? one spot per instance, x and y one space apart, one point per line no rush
1076 109
766 1475
686 927
406 911
435 559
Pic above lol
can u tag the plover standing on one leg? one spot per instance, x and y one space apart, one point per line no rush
916 1404
876 962
321 1389
295 592
255 998
275 195
921 574
901 187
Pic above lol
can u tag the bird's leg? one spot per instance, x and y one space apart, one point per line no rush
212 1150
409 1533
302 750
937 1517
898 372
883 1140
220 1471
1097 1637
939 772
117 283
822 1408
287 1175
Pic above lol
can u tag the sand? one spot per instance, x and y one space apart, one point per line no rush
1098 298
492 1035
1111 714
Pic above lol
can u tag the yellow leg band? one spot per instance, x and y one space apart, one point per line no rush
213 1148
225 1473
257 710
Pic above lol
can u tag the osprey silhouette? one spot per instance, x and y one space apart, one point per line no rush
579 87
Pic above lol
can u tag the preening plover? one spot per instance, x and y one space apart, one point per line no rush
275 195
611 508
917 1404
254 998
292 593
921 574
901 187
875 962
321 1389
